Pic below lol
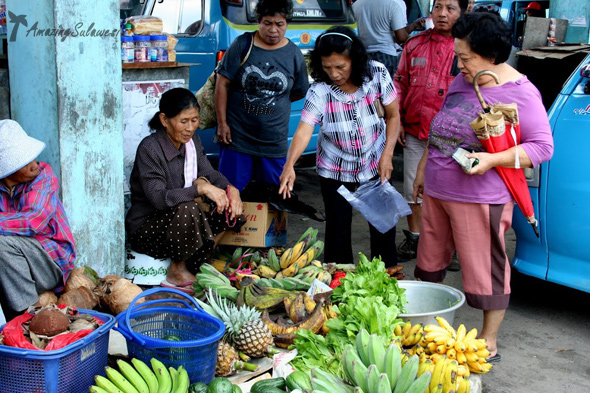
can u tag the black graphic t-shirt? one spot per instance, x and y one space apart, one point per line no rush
259 104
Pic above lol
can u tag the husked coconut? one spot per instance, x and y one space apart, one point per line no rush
49 322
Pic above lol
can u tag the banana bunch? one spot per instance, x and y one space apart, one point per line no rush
445 378
470 352
138 377
409 334
288 283
210 277
293 259
322 381
315 270
372 368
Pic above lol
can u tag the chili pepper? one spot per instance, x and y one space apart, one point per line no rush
335 282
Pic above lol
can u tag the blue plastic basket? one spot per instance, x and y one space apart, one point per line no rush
146 324
67 370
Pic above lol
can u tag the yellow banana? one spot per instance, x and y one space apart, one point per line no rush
471 335
441 349
431 336
460 346
297 252
406 329
398 329
471 357
291 270
266 272
286 258
464 386
477 367
451 353
483 353
424 366
317 263
461 332
450 376
446 325
436 380
131 374
415 329
435 328
450 343
463 370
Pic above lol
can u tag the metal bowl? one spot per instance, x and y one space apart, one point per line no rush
427 300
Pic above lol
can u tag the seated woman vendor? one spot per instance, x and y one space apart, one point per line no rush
180 205
36 244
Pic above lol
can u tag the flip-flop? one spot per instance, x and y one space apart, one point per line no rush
186 287
495 358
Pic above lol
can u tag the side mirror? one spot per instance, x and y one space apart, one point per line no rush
585 71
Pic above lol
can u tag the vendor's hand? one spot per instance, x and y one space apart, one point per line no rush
401 139
236 207
223 134
419 182
217 195
286 182
385 167
419 23
485 163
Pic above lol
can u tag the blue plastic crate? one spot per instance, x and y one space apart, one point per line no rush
146 324
67 370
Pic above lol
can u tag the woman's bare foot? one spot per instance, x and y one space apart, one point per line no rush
179 275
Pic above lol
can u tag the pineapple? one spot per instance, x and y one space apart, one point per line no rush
244 328
228 362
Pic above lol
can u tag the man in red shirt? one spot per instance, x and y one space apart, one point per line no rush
426 69
36 244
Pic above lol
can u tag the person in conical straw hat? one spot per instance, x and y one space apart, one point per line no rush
37 250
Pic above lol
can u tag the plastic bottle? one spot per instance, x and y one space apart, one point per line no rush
142 48
127 49
159 49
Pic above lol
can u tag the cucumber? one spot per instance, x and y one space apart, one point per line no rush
197 387
265 386
298 380
220 385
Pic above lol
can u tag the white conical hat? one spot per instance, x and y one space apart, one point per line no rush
17 149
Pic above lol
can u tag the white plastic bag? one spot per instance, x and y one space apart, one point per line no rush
379 203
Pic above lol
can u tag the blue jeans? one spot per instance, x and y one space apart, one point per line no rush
240 168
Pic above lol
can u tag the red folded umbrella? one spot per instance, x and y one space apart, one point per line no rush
498 129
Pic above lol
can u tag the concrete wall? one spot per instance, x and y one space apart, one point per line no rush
66 91
577 12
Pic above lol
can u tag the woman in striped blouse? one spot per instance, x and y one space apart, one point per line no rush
355 143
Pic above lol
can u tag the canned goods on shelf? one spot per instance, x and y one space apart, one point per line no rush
142 48
159 48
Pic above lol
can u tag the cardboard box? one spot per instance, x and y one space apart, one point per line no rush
264 227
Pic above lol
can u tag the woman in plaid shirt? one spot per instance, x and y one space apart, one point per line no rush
355 143
36 244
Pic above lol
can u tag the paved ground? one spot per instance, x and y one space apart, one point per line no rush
545 338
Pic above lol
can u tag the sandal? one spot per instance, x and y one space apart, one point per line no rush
495 358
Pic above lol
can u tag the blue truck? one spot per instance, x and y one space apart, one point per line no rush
560 190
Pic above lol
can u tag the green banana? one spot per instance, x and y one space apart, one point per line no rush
332 380
106 384
319 384
372 378
273 260
358 390
133 376
383 385
393 364
182 381
362 346
407 375
97 389
420 384
308 232
318 248
347 357
146 373
118 379
376 352
173 374
164 379
359 373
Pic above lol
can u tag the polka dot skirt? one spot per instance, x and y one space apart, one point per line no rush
185 232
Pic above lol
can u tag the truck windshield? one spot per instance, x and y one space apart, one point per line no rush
309 10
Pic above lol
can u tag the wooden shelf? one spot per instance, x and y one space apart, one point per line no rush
150 65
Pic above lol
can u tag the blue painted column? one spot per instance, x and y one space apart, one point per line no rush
65 80
578 14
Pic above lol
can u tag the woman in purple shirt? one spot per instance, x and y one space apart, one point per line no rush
470 212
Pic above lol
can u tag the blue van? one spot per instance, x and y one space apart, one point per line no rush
560 189
206 28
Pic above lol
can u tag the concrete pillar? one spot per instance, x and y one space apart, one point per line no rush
578 14
65 79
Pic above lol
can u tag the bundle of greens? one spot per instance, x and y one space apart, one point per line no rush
367 299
